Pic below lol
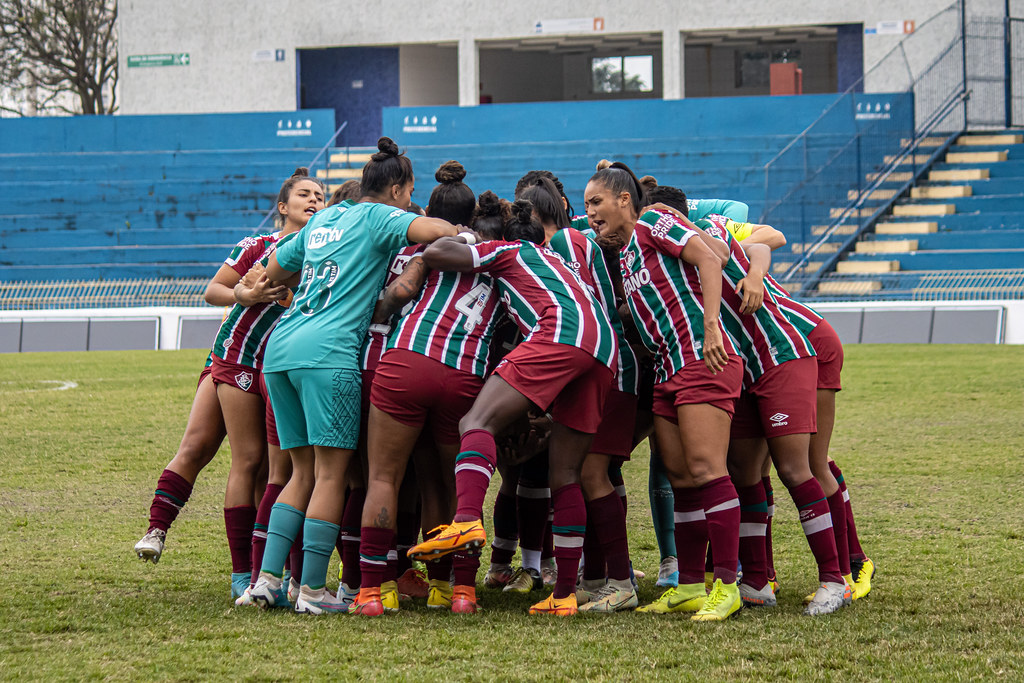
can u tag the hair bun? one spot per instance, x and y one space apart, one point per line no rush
522 211
450 172
603 164
648 182
490 204
387 148
301 172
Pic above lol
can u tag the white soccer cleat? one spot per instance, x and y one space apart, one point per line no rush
752 597
320 601
268 592
293 590
614 596
668 572
151 547
830 597
245 599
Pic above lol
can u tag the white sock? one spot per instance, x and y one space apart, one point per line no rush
531 559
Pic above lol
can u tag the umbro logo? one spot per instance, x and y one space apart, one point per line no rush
244 380
779 419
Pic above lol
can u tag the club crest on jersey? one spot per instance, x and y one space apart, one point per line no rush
636 281
243 380
630 257
227 343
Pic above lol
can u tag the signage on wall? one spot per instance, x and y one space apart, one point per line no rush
873 111
296 128
890 28
583 25
419 124
268 56
176 59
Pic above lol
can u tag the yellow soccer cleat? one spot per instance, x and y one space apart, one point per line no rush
559 607
686 597
439 596
723 601
862 584
452 538
389 596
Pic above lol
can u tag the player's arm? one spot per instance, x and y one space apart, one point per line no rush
709 269
404 289
256 288
220 290
276 272
424 230
751 287
451 253
765 234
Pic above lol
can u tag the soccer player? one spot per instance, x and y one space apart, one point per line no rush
312 363
673 284
564 366
299 197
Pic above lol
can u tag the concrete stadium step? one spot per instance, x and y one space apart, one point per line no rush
1005 169
212 254
185 221
885 246
980 204
953 259
923 209
960 239
976 157
115 237
995 139
990 186
968 221
906 228
866 267
859 288
941 191
104 270
958 175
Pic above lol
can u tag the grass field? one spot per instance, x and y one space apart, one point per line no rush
931 440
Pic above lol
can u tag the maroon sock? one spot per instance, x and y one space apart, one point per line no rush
594 567
259 529
769 555
408 530
373 555
548 551
753 522
837 508
474 466
533 504
608 520
438 570
691 533
239 523
618 483
567 529
852 540
722 513
349 536
817 524
295 556
506 531
172 492
465 567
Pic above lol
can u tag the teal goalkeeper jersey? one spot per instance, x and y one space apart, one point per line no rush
343 253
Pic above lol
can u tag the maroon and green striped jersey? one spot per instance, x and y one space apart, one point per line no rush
664 293
765 338
546 298
243 334
377 335
584 256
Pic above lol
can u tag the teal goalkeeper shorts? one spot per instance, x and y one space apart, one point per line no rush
316 406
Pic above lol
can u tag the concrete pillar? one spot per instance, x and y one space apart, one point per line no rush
469 73
672 71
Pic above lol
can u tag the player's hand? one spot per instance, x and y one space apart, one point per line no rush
249 279
751 288
715 355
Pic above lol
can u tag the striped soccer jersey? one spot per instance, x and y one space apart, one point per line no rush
545 298
584 256
664 293
766 338
377 335
243 334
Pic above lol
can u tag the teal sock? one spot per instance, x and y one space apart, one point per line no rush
285 522
318 540
662 506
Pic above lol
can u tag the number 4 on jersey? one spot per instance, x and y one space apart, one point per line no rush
471 305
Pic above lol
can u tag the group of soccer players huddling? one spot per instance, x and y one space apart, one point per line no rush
376 365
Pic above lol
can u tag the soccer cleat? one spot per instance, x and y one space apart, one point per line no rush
269 592
524 580
559 607
752 597
451 538
293 589
367 603
774 583
686 597
151 547
587 590
549 572
239 583
464 600
668 573
440 594
390 597
245 599
413 583
320 601
499 575
723 601
613 597
849 582
346 594
863 571
709 581
830 597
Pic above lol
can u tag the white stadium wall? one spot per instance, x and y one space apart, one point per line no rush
241 56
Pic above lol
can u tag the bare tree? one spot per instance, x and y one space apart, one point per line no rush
58 56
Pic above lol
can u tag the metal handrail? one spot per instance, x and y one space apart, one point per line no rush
311 167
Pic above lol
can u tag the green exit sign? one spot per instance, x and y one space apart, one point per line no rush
176 59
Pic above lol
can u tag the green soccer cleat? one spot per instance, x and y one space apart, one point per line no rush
723 600
686 597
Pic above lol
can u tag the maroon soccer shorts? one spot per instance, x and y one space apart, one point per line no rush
562 380
411 388
783 401
270 420
239 376
207 371
695 384
829 350
615 433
